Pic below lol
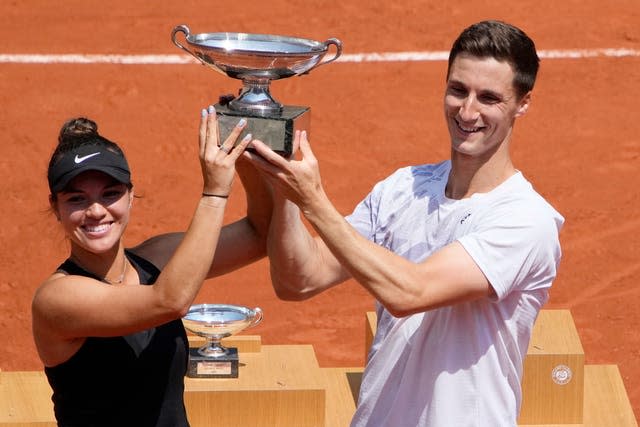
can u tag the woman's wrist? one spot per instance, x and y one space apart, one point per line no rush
214 199
219 196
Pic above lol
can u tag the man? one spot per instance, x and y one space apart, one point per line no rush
460 255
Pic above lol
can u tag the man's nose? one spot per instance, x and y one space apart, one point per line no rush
469 110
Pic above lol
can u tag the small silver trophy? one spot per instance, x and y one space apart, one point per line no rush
256 59
215 322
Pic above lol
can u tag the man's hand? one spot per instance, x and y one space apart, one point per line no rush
296 180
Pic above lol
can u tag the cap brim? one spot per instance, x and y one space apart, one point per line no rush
114 172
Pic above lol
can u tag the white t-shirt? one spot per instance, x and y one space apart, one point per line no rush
460 365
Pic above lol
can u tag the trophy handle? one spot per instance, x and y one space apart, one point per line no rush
332 41
257 317
186 31
338 44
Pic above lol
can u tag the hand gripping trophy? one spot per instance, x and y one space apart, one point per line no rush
256 59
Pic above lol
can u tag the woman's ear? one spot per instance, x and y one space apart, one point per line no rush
53 204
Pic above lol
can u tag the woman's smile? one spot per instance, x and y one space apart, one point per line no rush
97 230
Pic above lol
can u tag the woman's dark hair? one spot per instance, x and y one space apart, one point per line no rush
503 42
78 132
79 144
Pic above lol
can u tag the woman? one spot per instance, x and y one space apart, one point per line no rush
115 352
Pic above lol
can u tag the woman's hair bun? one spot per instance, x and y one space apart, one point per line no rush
79 127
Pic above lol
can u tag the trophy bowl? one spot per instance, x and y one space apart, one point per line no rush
256 59
217 321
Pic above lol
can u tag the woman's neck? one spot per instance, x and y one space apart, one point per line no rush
109 267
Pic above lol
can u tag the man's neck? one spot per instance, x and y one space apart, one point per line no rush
470 175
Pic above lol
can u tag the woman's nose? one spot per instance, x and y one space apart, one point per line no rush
95 210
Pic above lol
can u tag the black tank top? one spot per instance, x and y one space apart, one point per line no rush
134 380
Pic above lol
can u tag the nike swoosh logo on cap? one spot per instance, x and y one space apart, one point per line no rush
83 158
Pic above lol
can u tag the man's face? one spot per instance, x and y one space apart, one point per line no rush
481 104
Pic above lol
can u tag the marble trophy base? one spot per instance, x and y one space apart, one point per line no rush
224 366
276 131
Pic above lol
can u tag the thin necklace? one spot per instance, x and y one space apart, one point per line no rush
121 278
117 281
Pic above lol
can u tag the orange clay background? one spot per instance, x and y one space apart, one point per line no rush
579 144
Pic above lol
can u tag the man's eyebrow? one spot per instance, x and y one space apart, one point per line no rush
454 81
492 93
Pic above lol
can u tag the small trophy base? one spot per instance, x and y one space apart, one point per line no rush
225 366
276 131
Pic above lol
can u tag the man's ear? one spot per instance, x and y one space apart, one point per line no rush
523 105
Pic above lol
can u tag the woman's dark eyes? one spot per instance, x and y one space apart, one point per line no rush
109 195
113 193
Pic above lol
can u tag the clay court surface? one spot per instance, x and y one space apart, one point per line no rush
579 144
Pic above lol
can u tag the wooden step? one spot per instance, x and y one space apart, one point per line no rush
279 386
342 385
555 387
605 399
283 385
25 399
553 377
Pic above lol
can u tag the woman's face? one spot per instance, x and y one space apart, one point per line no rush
94 211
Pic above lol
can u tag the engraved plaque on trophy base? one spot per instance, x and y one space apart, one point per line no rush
224 366
276 131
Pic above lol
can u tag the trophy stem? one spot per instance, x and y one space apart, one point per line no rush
255 99
212 348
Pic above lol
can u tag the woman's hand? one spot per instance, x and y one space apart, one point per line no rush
217 161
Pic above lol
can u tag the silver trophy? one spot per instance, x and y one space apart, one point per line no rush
256 59
215 322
